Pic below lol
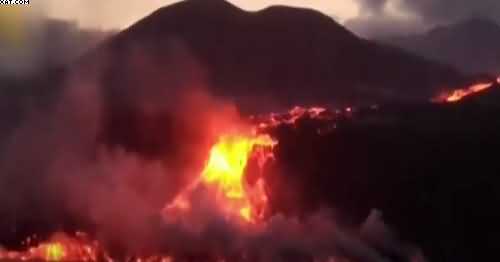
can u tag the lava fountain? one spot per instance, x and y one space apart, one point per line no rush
225 170
224 178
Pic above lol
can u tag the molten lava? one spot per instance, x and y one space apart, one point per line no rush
55 252
225 170
459 94
224 178
292 116
63 247
59 248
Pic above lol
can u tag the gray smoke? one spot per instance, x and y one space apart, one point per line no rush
32 44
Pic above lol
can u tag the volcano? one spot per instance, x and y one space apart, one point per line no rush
263 61
156 148
282 55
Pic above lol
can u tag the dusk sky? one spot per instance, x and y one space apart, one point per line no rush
118 14
367 18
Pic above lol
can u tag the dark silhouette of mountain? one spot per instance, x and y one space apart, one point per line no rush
287 55
472 46
422 165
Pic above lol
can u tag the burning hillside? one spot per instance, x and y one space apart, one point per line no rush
193 180
159 145
223 213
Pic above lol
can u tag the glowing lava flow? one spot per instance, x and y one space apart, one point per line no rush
59 248
224 176
292 116
459 94
225 169
63 247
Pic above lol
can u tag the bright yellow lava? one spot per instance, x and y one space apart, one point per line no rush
54 252
226 165
246 213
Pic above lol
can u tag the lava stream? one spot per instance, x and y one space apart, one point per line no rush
459 94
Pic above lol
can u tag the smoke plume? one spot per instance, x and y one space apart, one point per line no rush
62 166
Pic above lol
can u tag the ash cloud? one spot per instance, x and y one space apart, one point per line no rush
381 18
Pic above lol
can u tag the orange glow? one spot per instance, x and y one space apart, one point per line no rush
246 213
225 170
55 252
224 177
59 248
293 115
227 162
459 94
226 180
62 247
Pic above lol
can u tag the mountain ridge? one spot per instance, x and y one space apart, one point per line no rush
284 54
469 45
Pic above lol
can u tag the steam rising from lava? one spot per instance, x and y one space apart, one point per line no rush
218 216
201 200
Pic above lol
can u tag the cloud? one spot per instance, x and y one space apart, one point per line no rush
392 17
446 11
382 26
372 6
121 14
